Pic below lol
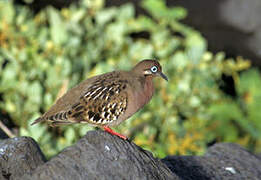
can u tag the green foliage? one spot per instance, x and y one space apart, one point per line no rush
44 54
241 115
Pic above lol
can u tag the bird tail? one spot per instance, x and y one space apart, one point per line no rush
40 119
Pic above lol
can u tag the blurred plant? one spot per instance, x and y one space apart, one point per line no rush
44 54
237 120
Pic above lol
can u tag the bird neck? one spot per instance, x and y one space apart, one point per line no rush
148 88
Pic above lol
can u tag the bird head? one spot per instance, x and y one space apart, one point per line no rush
149 67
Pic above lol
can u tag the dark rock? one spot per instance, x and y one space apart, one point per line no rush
19 156
222 161
99 155
259 155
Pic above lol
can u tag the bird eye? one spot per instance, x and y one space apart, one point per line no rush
154 69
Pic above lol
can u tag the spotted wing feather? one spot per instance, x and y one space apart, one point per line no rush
102 103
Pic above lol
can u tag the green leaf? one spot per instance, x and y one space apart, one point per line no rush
24 132
38 131
35 93
7 12
196 46
9 75
225 112
180 60
126 12
158 9
105 16
250 82
143 23
58 28
78 15
70 135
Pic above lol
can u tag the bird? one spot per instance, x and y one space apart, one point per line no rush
106 100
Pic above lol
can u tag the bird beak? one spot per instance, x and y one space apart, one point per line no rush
163 76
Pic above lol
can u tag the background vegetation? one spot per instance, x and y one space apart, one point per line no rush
43 54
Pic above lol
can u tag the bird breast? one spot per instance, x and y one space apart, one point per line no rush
137 98
143 94
148 91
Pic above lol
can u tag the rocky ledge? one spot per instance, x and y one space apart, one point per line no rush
99 155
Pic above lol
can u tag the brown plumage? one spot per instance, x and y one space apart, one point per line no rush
106 100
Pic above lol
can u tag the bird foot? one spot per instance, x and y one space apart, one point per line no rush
109 130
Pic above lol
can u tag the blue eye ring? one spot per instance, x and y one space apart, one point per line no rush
154 69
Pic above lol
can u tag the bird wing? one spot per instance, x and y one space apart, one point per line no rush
99 101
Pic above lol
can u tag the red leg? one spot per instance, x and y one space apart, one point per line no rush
109 130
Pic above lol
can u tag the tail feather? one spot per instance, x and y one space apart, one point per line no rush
59 123
40 119
59 118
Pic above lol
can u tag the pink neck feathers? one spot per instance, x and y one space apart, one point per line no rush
148 90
